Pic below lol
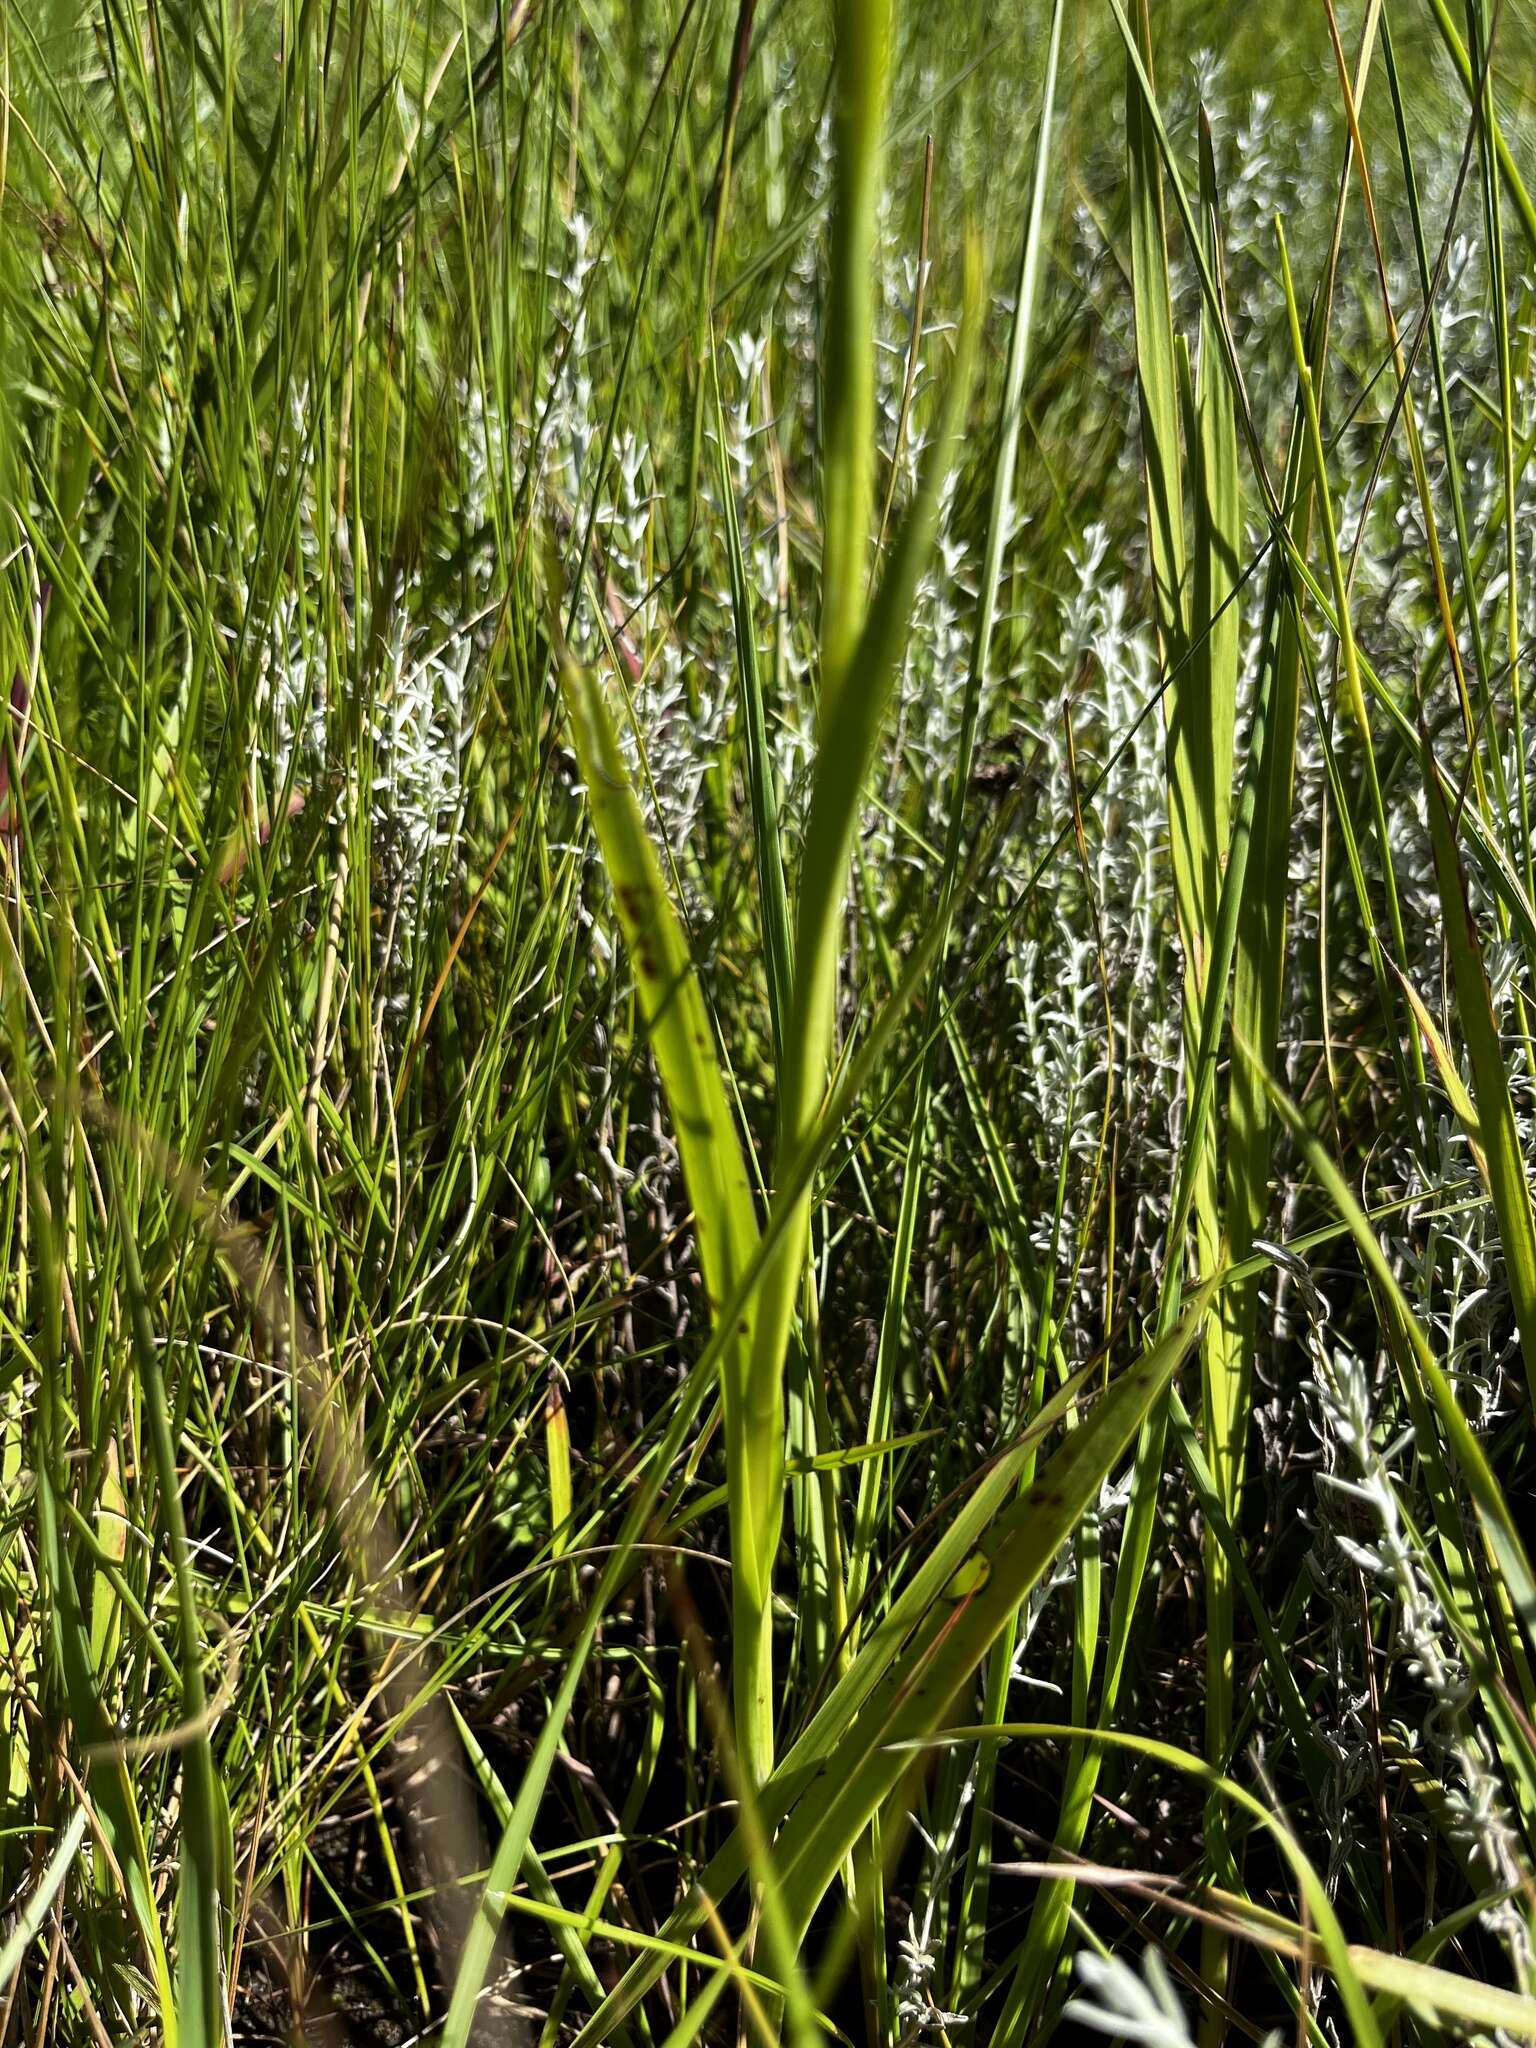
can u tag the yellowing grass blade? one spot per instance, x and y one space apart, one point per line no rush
1439 1995
1448 1071
1202 718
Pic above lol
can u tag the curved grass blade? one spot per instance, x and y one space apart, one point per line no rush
819 1740
985 1591
1335 1949
507 1861
928 1645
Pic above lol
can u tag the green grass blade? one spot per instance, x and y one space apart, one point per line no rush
999 520
786 1207
1354 695
1157 374
204 1813
1335 1948
1509 171
761 774
836 1776
848 451
34 1911
1496 1128
818 1744
980 1598
682 1037
1202 715
850 731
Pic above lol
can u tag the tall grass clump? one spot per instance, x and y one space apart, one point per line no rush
767 1264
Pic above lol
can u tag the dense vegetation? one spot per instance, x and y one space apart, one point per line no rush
767 1086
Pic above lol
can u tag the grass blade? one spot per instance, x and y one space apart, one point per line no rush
204 1812
1496 1130
682 1037
848 452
